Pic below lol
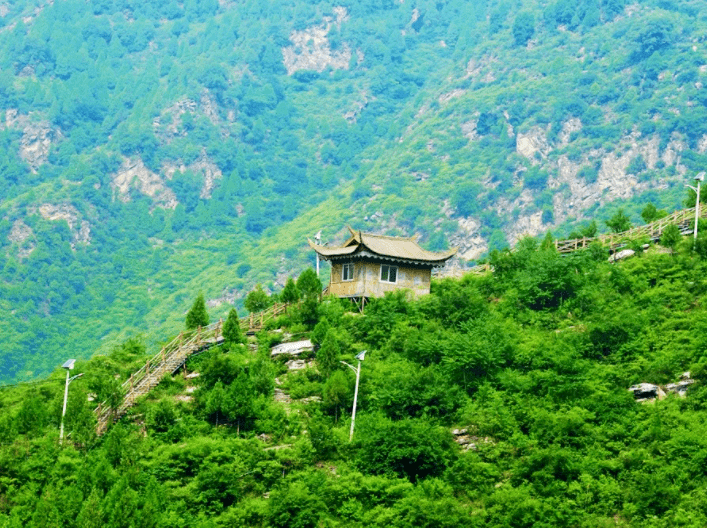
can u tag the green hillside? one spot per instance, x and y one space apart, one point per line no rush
151 150
499 399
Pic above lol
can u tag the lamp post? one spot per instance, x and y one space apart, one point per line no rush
68 365
318 240
699 178
359 357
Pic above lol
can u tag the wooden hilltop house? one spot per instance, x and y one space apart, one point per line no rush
369 265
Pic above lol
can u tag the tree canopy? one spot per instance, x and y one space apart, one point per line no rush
197 315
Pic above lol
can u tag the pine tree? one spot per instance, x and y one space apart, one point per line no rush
152 496
218 403
232 329
197 315
309 284
290 293
671 237
336 393
257 300
240 401
328 354
548 242
619 222
650 213
91 515
122 505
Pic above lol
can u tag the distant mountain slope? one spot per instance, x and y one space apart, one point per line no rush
149 150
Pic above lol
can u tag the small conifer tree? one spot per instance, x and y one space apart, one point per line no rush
309 284
619 222
257 300
197 315
671 237
548 242
290 293
329 353
650 213
232 329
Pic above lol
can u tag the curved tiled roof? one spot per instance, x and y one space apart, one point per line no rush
384 246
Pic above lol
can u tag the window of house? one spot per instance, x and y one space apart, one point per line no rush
389 274
347 272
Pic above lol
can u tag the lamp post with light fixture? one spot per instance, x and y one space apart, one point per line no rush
68 365
699 178
360 356
318 240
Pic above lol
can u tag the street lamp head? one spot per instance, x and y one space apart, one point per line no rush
700 177
69 364
361 355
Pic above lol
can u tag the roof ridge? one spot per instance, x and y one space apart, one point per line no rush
413 238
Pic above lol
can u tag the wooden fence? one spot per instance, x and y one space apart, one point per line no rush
684 219
171 357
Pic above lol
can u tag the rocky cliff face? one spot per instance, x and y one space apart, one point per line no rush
80 228
573 193
23 237
38 135
134 174
579 180
311 49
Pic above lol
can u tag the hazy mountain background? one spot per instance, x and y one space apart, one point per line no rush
151 150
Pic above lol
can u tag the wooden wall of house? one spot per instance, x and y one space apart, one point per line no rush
366 280
345 289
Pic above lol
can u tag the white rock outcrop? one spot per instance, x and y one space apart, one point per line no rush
292 348
80 229
310 49
533 142
209 171
623 254
38 135
23 236
134 174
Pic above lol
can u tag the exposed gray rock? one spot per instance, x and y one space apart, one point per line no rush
307 400
680 388
531 142
469 442
80 229
649 392
295 365
23 236
292 348
623 254
37 138
203 166
20 232
310 48
134 174
281 396
645 391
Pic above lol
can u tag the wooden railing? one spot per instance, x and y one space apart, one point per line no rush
684 219
256 322
480 269
171 357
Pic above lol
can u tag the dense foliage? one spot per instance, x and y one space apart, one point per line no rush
532 361
150 150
